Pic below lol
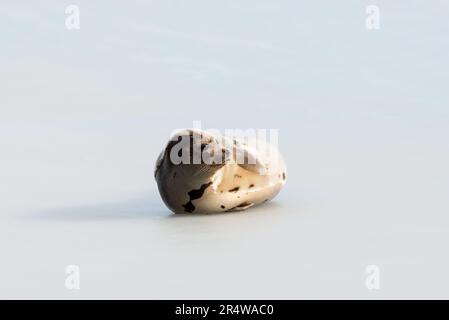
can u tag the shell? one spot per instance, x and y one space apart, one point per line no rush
205 186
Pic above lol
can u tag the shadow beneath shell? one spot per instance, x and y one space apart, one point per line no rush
140 208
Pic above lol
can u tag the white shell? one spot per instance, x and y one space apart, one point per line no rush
227 186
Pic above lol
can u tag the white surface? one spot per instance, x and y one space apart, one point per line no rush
363 122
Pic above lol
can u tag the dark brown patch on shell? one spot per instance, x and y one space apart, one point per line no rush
193 195
189 207
244 204
283 175
241 205
251 185
222 206
234 189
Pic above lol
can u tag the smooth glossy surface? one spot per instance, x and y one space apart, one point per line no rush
232 185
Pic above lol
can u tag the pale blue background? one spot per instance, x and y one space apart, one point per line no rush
363 118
